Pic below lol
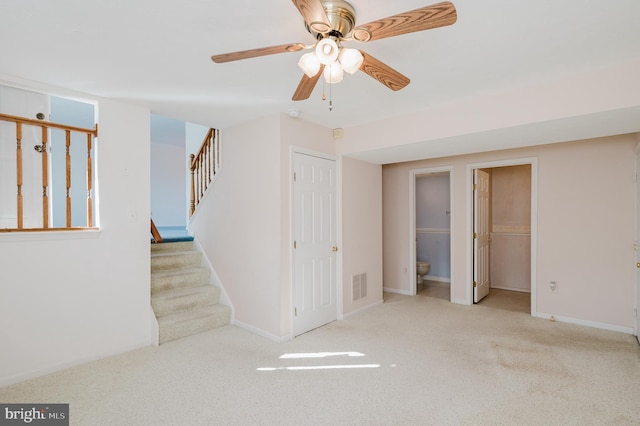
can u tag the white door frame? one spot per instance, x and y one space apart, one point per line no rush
338 280
533 161
413 175
636 325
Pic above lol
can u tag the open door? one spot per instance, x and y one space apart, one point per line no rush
481 283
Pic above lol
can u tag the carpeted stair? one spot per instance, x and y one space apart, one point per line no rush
183 300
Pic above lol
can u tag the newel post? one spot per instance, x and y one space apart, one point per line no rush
192 204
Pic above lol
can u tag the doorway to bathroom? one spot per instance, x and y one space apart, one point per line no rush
431 210
502 219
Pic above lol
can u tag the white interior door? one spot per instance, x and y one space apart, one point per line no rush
481 242
23 104
314 255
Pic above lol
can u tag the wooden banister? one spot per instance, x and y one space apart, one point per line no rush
155 233
203 167
19 173
49 124
45 126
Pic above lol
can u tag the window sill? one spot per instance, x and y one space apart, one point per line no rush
49 235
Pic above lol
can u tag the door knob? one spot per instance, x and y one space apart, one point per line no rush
638 265
335 248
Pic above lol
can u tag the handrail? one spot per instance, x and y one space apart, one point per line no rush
204 167
49 124
155 233
20 122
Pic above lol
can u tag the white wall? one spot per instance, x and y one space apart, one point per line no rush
585 227
238 222
302 135
563 108
168 182
244 223
67 298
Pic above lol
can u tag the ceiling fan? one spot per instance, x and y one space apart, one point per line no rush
333 22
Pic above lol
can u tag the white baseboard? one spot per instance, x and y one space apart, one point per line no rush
154 328
215 280
461 302
260 332
520 290
439 279
17 378
359 310
601 325
397 291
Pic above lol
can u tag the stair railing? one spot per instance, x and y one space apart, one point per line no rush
45 126
155 233
204 167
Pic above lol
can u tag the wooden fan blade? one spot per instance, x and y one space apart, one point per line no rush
253 53
306 86
314 15
434 16
383 73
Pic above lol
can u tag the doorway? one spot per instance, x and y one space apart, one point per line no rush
502 227
431 210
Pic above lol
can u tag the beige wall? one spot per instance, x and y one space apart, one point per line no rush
585 227
511 198
361 231
510 253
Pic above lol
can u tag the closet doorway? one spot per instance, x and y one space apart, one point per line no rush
503 217
431 210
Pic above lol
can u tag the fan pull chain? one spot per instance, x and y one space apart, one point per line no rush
330 98
324 97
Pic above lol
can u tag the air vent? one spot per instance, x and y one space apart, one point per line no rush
358 286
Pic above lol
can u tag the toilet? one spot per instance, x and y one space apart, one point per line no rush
422 268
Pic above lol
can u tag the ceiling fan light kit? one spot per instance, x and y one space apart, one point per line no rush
332 22
350 59
333 73
309 64
327 51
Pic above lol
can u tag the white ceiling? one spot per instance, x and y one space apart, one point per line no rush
157 54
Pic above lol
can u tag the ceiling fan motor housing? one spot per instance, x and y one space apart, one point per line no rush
342 17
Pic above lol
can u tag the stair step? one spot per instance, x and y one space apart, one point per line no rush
195 321
169 247
172 279
183 299
165 261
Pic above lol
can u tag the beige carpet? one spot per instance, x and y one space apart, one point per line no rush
413 361
498 299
